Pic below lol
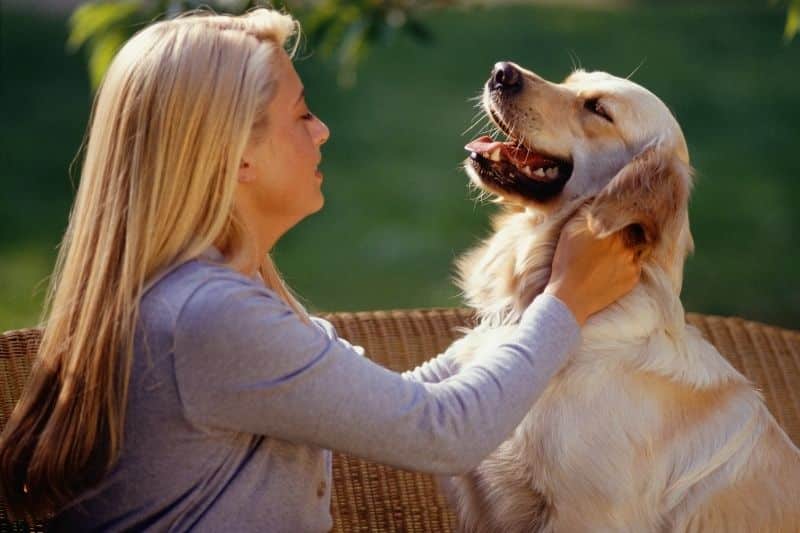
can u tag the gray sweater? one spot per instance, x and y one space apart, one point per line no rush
234 404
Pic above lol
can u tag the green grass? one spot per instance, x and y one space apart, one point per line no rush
397 207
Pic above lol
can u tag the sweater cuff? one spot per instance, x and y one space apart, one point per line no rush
550 312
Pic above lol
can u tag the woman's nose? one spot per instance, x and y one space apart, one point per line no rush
323 133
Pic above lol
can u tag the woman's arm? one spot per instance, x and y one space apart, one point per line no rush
588 274
434 370
245 362
431 371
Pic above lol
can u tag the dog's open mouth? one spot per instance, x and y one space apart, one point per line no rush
515 168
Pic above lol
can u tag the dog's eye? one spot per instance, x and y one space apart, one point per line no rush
594 105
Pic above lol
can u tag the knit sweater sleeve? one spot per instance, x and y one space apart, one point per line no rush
245 362
432 371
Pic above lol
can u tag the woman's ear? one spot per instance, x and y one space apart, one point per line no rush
246 172
642 198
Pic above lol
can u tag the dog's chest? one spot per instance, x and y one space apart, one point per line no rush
592 421
592 403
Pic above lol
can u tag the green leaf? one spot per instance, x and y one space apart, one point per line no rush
352 47
334 36
91 20
320 21
792 20
103 50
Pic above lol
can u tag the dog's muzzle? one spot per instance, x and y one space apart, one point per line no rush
506 78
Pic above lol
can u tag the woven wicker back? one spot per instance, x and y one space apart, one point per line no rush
371 497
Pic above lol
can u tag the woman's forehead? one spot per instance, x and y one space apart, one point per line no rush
289 86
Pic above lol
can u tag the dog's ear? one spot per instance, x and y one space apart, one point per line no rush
642 198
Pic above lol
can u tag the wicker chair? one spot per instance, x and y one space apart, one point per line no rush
372 497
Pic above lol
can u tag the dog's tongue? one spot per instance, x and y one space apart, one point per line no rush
509 150
483 145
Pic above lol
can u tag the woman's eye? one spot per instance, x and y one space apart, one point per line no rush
308 116
594 105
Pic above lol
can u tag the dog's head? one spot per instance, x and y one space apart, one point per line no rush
592 136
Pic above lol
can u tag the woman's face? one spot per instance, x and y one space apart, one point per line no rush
280 183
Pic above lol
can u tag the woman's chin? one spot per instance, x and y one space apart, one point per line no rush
319 203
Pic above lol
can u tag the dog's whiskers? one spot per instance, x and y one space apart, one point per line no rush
491 130
476 121
636 69
576 61
481 197
514 136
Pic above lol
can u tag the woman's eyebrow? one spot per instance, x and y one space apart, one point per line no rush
302 95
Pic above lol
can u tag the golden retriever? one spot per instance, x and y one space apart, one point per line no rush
646 427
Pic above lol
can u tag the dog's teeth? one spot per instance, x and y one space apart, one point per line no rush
495 155
552 172
539 172
526 170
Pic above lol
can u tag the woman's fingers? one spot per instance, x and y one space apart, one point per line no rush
590 273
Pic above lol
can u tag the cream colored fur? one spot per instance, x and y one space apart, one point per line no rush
647 427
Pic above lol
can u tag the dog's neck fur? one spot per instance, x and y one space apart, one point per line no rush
503 275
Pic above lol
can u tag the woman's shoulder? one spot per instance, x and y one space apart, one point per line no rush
205 287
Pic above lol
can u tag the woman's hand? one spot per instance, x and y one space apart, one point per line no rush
589 273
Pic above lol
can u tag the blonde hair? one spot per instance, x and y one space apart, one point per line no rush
168 127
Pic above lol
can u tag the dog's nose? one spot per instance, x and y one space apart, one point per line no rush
505 77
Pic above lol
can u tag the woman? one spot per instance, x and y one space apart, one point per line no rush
179 385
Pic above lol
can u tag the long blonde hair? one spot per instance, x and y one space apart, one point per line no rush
168 127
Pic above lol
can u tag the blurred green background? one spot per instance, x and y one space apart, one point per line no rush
398 210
